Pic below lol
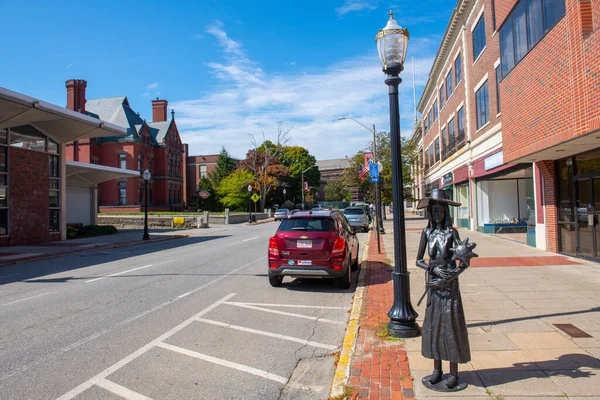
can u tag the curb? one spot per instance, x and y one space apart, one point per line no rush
88 249
342 371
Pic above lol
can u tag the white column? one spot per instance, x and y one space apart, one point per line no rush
95 204
63 191
540 228
473 204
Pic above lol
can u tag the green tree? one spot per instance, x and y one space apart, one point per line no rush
233 189
298 159
336 190
212 202
225 166
263 162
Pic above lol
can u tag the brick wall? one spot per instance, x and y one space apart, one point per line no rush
553 94
482 66
29 210
476 71
548 174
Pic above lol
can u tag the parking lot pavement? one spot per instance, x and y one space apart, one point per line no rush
297 339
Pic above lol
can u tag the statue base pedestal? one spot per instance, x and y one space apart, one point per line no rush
441 385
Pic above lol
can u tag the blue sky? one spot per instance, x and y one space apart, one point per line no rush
230 69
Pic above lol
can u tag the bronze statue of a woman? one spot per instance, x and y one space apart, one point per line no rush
444 330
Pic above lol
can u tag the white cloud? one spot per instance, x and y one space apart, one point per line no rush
247 101
356 5
153 85
229 45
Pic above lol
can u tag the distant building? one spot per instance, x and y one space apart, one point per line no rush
155 146
199 167
332 170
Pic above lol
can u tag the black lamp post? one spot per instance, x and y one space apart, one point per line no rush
146 177
249 204
197 200
392 41
283 198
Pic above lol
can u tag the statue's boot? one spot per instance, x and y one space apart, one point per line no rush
452 381
436 376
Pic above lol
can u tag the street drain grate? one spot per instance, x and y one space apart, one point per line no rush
572 331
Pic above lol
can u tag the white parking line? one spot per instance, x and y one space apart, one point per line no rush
25 299
120 390
115 367
290 305
119 273
252 238
286 313
269 334
225 363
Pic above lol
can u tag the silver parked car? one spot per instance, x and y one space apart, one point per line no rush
281 213
358 218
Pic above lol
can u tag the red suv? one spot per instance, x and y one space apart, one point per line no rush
314 244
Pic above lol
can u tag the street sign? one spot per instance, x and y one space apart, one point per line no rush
375 179
373 170
255 197
204 194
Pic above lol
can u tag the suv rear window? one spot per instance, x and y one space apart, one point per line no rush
307 224
354 211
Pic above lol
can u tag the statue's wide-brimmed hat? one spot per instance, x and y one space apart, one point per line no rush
436 195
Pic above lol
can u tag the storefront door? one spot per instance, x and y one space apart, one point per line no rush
588 217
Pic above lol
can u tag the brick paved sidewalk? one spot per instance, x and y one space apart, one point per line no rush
379 367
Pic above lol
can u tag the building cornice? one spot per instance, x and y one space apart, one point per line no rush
452 31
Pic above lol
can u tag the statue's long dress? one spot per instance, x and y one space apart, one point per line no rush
445 334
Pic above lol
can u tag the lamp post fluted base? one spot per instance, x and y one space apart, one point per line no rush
403 329
403 317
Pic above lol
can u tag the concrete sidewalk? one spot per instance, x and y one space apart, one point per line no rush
518 301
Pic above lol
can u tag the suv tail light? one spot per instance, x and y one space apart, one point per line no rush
273 249
339 248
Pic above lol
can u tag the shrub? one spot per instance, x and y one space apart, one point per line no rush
82 231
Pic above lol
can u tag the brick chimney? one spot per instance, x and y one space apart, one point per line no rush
76 94
159 110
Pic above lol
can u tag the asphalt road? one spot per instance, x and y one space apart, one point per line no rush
191 318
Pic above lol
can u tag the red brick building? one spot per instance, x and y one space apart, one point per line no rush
199 167
461 128
517 138
550 95
155 146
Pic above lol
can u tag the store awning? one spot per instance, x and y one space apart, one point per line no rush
63 125
79 173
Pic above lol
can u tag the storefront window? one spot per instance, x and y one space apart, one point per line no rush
587 162
506 205
27 137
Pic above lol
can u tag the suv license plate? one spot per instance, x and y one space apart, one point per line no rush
304 244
